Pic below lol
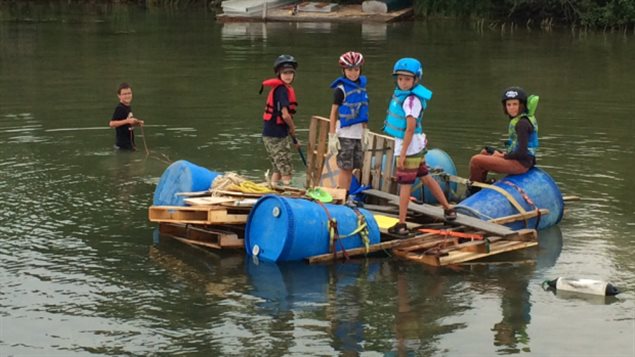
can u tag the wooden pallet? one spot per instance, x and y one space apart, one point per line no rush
210 237
197 214
439 250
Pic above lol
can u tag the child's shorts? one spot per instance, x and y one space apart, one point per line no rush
415 166
350 155
279 152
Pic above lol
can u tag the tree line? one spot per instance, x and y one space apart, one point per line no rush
546 14
590 14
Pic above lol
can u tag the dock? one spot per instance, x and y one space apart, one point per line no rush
343 13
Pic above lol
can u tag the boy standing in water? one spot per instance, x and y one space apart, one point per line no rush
278 118
404 123
348 130
123 120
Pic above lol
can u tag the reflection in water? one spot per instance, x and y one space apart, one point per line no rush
374 31
294 292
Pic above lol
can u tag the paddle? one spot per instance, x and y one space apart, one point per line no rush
295 142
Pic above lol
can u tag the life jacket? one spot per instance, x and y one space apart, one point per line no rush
354 108
532 142
396 122
274 83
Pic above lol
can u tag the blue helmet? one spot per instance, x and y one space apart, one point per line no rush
409 66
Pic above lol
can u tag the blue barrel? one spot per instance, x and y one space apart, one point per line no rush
538 186
181 176
286 229
436 159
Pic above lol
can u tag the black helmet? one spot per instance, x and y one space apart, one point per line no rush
283 62
514 93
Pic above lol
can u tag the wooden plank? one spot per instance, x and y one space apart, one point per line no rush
502 246
373 248
196 242
519 216
376 167
203 236
207 201
388 185
368 154
322 143
437 212
311 170
195 215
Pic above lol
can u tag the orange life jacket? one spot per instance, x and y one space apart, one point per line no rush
274 83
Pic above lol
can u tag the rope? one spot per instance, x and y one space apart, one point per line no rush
447 233
525 196
144 141
334 236
231 181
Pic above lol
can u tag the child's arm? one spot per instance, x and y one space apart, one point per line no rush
407 139
286 116
333 118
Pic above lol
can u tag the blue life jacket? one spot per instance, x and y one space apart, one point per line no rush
396 122
354 108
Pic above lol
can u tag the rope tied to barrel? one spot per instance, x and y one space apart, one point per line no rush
333 231
529 201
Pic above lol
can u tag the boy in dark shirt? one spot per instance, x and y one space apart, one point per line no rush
123 120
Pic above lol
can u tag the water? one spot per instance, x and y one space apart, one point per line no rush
83 272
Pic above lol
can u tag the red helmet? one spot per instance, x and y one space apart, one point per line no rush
351 59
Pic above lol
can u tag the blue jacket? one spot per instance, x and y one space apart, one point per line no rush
354 109
396 122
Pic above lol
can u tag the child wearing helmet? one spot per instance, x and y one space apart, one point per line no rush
278 118
404 123
522 144
348 130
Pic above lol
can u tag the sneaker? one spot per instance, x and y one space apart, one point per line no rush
399 229
449 214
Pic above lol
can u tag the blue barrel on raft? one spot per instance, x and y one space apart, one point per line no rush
181 176
286 229
436 159
535 184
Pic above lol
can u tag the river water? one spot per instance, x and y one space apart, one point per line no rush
83 272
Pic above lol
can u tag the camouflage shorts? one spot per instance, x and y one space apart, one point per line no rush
279 152
350 155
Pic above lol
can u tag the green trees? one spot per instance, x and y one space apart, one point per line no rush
595 14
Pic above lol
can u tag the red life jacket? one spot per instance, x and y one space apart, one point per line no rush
274 83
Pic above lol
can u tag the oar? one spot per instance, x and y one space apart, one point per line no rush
295 142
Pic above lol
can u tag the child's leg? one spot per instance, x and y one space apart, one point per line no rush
344 179
436 190
285 161
348 158
404 199
481 164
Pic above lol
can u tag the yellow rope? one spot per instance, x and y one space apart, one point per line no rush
231 181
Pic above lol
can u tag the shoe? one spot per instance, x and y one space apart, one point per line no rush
399 229
449 214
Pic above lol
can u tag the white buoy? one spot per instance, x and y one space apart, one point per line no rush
583 286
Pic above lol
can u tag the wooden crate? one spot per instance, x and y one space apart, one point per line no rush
442 250
197 214
210 237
